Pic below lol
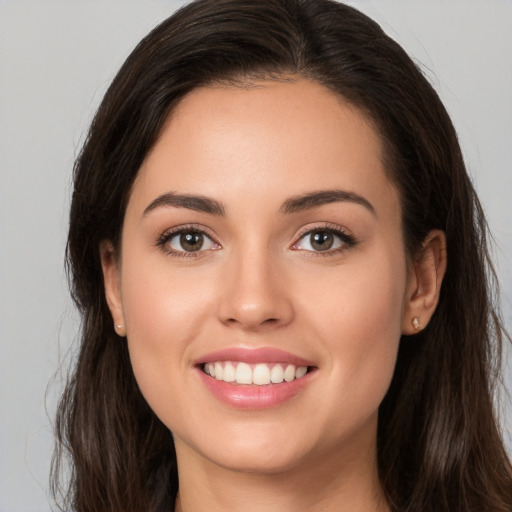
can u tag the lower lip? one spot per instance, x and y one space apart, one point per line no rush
243 396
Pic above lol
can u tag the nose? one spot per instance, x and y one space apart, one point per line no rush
254 295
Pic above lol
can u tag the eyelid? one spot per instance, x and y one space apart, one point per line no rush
324 225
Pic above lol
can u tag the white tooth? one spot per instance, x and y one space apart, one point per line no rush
301 371
243 374
210 370
261 375
218 371
277 374
229 373
289 373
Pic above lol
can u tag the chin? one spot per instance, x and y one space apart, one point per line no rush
255 460
256 450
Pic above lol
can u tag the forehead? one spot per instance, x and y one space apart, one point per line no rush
297 136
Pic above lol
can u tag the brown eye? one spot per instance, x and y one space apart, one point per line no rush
190 241
321 240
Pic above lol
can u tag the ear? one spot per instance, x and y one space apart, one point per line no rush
112 281
424 283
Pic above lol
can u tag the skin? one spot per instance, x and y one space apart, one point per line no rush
259 283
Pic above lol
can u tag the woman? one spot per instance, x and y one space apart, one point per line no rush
282 269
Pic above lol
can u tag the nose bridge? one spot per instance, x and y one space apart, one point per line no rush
254 294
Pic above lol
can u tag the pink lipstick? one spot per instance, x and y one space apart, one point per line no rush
254 378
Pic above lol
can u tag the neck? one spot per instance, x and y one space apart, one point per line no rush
323 485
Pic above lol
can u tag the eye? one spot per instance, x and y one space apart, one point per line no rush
324 240
188 241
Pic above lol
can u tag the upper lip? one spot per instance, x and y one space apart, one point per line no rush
253 356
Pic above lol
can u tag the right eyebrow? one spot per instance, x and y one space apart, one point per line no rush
191 202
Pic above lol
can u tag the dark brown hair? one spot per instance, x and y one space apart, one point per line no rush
439 445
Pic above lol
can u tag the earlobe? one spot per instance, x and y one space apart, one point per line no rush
112 282
424 283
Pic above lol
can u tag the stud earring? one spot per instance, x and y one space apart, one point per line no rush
120 330
416 323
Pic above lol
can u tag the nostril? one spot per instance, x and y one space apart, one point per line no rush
254 323
254 312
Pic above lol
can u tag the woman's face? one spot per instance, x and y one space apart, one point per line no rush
263 240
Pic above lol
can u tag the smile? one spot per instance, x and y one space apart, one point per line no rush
255 378
242 395
260 374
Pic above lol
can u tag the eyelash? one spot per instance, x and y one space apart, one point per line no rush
347 240
167 236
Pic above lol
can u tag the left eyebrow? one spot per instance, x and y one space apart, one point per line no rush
190 202
321 197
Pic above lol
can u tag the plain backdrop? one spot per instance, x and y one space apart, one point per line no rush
56 60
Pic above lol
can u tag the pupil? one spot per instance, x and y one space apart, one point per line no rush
191 241
322 240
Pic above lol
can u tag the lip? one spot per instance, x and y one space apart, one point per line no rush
243 396
253 397
253 356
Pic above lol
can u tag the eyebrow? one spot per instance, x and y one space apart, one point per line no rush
190 202
291 205
315 199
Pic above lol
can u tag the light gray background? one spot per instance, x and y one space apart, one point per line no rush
56 60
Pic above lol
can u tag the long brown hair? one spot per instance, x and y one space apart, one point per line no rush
439 444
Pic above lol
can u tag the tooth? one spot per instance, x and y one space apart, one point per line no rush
277 374
261 375
243 374
229 373
301 371
218 371
289 373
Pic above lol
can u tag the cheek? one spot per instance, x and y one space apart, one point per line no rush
159 299
363 298
164 313
359 325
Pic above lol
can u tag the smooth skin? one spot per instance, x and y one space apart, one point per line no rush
254 277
